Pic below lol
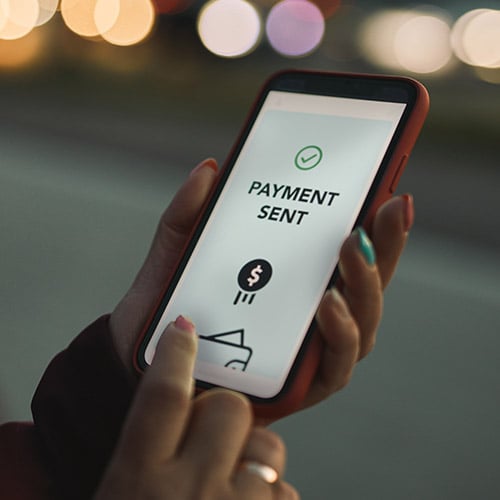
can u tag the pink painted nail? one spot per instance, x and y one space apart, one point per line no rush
185 324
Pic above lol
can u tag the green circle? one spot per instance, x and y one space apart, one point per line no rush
308 158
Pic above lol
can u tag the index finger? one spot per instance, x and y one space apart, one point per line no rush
160 411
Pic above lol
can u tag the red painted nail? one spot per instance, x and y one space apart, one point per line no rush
208 163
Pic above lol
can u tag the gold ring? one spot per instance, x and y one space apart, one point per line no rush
265 472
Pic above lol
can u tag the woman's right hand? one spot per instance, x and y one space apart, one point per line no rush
179 448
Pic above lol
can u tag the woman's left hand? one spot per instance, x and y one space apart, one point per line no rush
348 319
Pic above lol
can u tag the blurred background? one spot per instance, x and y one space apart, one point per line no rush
106 105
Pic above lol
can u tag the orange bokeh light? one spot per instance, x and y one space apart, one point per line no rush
15 54
17 18
79 16
129 24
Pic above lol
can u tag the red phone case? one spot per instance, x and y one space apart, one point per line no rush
306 366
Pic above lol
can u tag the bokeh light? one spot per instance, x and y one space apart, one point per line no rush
23 52
418 40
17 18
489 75
295 27
229 28
457 34
412 40
481 39
3 18
47 10
377 37
106 14
79 16
422 44
124 22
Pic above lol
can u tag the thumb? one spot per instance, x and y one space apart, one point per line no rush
176 224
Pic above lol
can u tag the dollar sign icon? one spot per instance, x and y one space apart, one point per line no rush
255 275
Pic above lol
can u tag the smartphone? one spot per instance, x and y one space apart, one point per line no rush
319 153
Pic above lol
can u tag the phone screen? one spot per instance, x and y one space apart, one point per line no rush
270 246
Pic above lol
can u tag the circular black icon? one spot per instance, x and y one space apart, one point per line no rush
255 275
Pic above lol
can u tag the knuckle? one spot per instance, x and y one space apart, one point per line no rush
182 343
228 401
343 381
285 491
160 389
206 488
368 346
273 442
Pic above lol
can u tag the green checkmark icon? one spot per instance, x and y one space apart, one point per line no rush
308 158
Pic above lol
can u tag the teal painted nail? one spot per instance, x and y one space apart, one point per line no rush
365 246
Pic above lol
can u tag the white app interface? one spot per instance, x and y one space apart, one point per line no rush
265 257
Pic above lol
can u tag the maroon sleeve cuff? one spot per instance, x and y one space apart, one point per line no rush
78 410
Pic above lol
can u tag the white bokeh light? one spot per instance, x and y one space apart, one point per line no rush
481 39
422 45
378 34
457 34
229 28
411 40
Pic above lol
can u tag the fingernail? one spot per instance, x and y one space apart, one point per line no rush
365 246
408 211
208 163
183 323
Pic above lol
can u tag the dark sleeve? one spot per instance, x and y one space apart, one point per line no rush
78 410
22 468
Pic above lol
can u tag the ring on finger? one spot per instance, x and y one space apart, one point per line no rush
265 472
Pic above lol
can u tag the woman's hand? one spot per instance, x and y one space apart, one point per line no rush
179 448
347 319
